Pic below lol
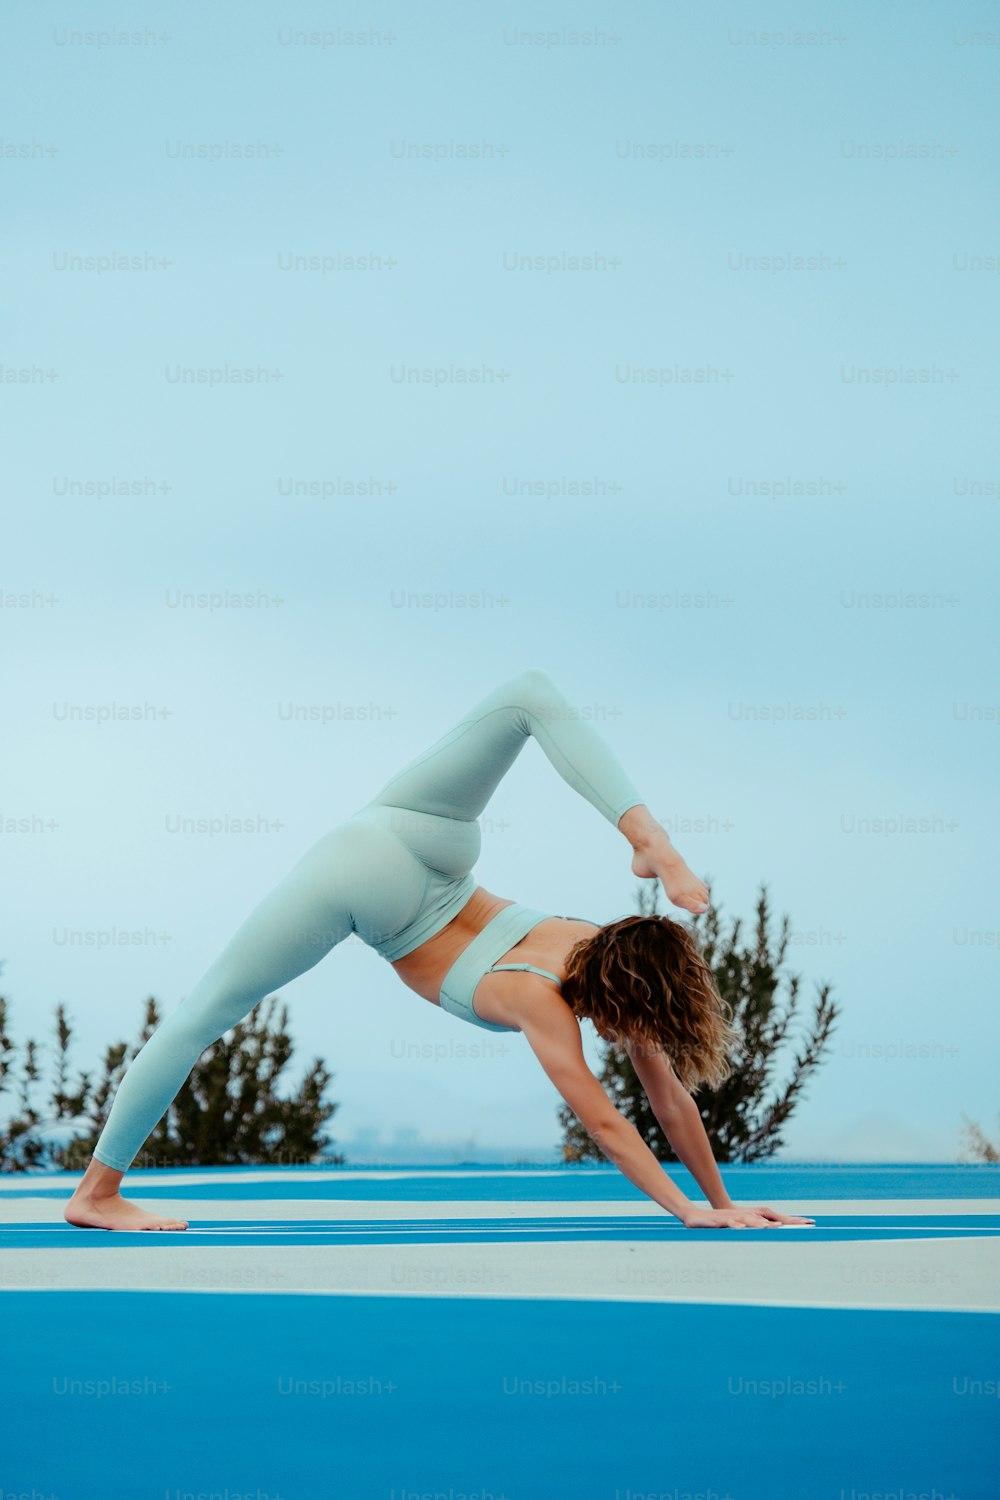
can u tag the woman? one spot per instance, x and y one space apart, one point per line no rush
398 873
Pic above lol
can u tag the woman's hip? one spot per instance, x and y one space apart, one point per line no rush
399 873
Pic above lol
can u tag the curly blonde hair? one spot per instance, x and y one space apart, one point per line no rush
644 979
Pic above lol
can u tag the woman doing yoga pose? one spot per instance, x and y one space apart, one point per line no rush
398 872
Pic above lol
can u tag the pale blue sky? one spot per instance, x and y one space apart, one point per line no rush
897 497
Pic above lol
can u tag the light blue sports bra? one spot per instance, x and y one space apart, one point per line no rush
510 924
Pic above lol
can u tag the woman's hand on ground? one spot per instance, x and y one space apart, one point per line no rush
773 1217
734 1217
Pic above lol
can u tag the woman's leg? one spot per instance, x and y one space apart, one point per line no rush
458 774
286 934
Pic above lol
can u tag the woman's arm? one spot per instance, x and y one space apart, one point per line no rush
553 1033
680 1120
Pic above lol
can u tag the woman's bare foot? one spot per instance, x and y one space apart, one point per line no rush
98 1204
114 1212
682 886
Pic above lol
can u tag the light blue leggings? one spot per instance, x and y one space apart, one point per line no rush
395 873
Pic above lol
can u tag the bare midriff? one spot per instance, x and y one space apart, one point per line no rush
546 944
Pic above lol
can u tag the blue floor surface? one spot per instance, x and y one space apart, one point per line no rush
356 1398
839 1228
321 1393
565 1184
